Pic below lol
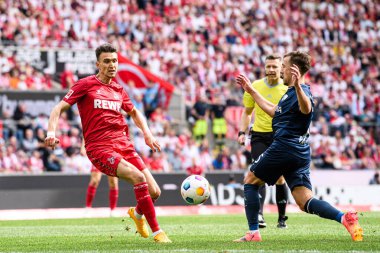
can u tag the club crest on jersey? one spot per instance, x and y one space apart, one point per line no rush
115 96
68 95
284 97
111 160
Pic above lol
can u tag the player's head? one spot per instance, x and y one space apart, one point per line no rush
301 59
273 66
106 60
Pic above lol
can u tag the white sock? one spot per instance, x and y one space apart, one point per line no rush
157 232
253 231
138 216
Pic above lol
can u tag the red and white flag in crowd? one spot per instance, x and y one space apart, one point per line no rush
142 78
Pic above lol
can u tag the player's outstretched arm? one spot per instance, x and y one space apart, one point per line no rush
264 104
50 139
141 123
303 100
245 119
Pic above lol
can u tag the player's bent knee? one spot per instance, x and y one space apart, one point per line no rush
132 177
155 194
94 183
250 178
95 179
300 204
301 195
137 177
127 171
112 182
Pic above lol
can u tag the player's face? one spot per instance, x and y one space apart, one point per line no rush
107 64
286 71
273 69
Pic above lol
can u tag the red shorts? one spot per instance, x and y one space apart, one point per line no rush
107 158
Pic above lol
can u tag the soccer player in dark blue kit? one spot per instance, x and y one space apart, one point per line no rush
290 147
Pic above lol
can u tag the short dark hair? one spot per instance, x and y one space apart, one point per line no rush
301 59
105 48
273 57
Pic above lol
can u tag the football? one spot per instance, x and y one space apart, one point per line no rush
195 190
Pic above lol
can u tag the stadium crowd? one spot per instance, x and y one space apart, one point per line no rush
200 46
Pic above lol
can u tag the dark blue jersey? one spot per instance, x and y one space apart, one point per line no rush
289 123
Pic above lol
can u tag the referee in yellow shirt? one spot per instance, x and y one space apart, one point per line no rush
272 88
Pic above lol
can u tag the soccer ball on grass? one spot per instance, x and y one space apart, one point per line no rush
195 190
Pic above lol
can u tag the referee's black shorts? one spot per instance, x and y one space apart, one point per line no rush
260 141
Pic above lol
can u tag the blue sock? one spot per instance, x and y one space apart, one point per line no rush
323 209
252 205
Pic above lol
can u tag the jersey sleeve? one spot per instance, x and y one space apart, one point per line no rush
126 104
307 91
76 92
248 101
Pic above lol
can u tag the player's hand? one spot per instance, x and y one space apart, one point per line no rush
296 76
51 141
152 143
244 82
241 139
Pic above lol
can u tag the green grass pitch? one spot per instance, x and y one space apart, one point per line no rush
306 233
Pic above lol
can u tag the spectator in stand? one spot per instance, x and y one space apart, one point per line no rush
29 143
67 78
52 162
158 162
223 160
239 161
137 100
35 163
151 99
14 143
41 121
175 159
74 163
4 81
219 124
160 120
10 161
195 169
23 120
2 165
368 162
218 162
200 113
205 157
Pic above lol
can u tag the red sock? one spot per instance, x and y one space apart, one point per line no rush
145 204
91 191
138 209
113 196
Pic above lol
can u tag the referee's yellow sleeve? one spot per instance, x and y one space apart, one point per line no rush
248 101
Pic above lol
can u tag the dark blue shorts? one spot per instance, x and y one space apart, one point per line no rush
288 160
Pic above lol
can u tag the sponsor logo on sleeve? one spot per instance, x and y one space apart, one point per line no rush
284 97
111 160
68 95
